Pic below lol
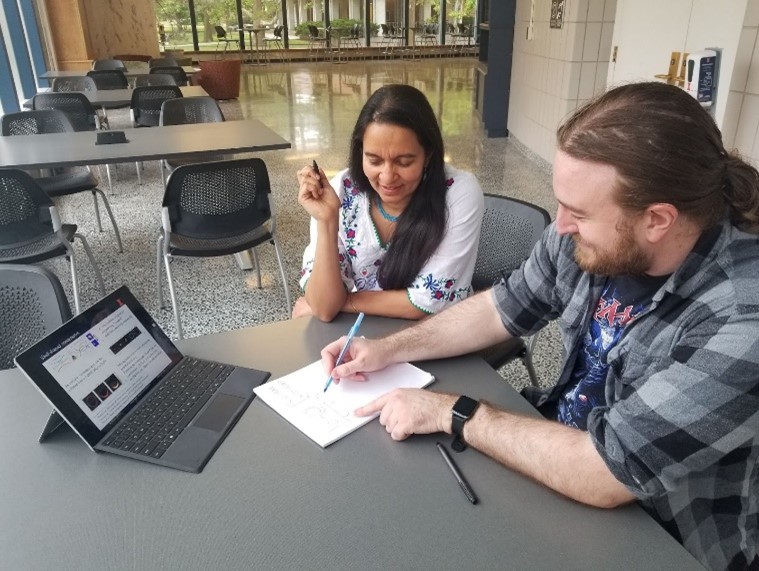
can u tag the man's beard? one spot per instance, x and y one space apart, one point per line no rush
624 257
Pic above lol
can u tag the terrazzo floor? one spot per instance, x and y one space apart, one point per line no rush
314 106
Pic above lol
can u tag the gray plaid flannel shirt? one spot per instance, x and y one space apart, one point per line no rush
680 428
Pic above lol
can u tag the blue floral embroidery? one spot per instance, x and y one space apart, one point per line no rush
442 289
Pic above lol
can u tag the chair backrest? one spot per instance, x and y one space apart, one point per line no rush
278 31
463 29
147 101
184 110
355 31
510 229
39 122
32 304
146 79
24 213
221 33
218 199
108 64
451 28
179 75
80 83
385 29
109 78
162 62
76 106
313 31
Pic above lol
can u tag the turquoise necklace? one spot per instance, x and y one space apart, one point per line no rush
384 214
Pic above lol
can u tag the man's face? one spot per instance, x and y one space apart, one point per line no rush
607 240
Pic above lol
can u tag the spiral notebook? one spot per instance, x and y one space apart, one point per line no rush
326 417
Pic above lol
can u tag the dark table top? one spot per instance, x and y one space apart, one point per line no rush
123 97
52 74
272 499
144 144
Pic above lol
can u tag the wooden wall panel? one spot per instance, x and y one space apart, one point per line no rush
66 30
120 27
84 30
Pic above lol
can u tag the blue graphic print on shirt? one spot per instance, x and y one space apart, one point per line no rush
589 376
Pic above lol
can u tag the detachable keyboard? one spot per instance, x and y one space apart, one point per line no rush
155 424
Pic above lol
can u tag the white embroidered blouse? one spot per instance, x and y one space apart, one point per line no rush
446 276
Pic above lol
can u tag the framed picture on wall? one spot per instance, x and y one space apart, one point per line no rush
557 13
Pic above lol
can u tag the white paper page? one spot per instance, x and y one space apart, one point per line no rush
328 416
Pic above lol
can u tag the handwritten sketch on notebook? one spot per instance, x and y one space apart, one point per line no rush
328 416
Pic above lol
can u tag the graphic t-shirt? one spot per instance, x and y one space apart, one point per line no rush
622 300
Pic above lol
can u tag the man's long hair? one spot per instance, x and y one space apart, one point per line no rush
421 225
666 148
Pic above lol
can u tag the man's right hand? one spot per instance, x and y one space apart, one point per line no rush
363 356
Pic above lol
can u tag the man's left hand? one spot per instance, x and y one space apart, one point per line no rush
404 412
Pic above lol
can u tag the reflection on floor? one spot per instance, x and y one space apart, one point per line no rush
314 106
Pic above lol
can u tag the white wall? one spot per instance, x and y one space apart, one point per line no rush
647 31
741 121
558 69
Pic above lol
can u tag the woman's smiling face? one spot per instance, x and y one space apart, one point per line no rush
394 162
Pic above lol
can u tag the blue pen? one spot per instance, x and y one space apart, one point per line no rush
351 335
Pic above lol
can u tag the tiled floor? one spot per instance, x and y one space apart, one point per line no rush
314 106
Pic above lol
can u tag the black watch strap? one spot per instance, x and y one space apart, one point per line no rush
462 411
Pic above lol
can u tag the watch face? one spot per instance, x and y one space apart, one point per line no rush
465 406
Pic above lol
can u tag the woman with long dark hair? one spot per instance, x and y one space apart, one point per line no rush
396 233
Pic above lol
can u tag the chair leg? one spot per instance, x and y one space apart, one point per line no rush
108 174
110 215
527 360
282 272
139 174
172 293
74 280
159 278
97 211
258 265
95 267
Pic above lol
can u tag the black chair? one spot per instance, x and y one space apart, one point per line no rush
179 75
62 182
315 42
109 78
32 304
221 37
276 42
183 111
354 39
31 230
147 79
163 62
80 112
510 230
146 107
80 83
109 64
215 209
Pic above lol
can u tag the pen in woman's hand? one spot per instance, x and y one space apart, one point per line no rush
315 168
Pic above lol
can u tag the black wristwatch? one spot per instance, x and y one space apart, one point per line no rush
462 411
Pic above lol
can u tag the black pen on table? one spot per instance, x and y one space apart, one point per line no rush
463 484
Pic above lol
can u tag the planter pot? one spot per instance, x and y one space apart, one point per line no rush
220 78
